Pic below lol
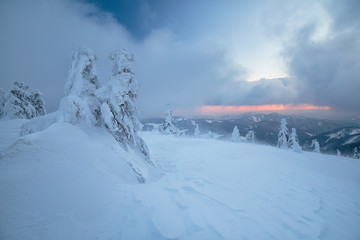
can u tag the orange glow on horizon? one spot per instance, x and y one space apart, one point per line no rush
218 109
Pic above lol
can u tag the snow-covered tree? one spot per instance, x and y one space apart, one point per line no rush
250 136
80 103
82 80
197 131
169 127
18 103
283 135
316 145
110 106
210 134
235 136
338 153
38 102
118 109
294 141
356 153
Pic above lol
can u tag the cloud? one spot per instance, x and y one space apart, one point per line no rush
200 63
345 14
328 71
264 91
183 75
39 37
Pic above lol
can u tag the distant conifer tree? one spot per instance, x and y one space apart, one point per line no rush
316 145
168 126
197 131
338 153
250 136
294 141
235 136
283 135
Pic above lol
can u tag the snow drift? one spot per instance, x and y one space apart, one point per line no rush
75 182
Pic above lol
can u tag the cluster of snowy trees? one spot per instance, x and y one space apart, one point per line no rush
169 127
236 137
87 101
20 102
111 105
291 141
286 140
355 155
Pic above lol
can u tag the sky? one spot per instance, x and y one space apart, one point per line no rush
201 57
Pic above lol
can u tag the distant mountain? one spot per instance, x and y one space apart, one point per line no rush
266 127
343 139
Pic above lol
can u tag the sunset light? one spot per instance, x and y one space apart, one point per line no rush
219 109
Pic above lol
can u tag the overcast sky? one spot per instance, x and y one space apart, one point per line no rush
192 53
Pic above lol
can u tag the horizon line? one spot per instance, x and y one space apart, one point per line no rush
238 109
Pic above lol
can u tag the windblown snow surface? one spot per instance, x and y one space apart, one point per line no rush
71 182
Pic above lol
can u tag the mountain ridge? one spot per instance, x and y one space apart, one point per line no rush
266 127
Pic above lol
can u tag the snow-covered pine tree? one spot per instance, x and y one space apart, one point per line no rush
338 153
235 136
80 103
118 109
316 145
283 135
38 102
18 102
294 141
250 136
356 153
169 127
197 131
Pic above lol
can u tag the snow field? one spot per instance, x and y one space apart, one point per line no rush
259 192
71 182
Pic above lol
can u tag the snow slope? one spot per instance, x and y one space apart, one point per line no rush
71 182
